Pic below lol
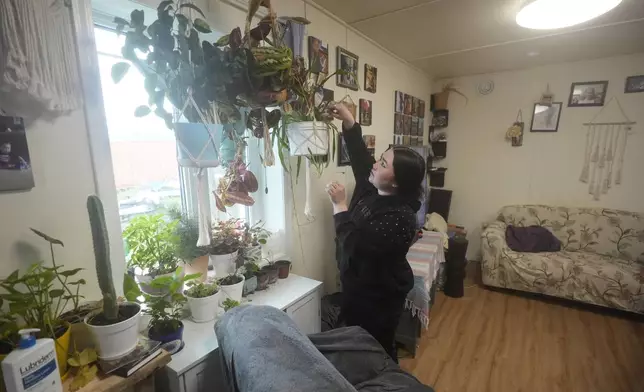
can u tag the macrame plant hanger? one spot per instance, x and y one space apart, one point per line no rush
605 150
202 166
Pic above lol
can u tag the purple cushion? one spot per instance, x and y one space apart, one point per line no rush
532 239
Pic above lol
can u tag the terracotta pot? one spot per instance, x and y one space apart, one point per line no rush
198 266
283 268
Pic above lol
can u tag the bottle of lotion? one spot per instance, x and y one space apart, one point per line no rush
32 367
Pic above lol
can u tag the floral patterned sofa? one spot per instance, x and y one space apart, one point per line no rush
601 261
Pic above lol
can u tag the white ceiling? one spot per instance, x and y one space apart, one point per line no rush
448 38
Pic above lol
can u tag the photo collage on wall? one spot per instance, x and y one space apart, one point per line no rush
409 120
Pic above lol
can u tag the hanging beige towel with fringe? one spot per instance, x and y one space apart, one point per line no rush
38 61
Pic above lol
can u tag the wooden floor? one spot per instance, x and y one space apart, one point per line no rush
495 341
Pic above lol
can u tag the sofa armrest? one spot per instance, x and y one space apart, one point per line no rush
493 245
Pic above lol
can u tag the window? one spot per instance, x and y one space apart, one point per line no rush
147 176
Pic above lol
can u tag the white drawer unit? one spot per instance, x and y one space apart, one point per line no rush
197 367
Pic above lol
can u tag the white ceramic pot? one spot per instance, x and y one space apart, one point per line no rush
117 340
224 265
233 292
145 280
204 309
306 138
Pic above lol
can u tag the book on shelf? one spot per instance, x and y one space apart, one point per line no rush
146 350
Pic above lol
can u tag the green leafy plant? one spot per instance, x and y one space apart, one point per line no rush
41 295
152 241
83 367
229 304
166 311
202 290
187 233
226 237
250 269
255 235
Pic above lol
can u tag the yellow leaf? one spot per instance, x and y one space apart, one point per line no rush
73 361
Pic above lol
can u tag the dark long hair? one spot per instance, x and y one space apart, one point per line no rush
409 170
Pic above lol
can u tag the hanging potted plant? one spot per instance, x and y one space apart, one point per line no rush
151 242
250 278
203 300
115 326
194 257
224 246
232 286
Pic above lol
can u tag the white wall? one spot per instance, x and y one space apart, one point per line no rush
63 175
486 173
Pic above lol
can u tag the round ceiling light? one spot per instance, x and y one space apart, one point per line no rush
556 14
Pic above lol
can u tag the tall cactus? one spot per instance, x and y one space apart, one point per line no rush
102 255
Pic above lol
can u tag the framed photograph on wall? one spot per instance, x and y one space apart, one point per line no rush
406 125
634 84
348 63
546 118
343 152
398 124
588 94
366 112
370 78
318 56
400 102
15 162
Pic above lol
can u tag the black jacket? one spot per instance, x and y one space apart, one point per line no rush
373 237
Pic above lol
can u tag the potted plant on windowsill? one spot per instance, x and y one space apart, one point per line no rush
203 300
151 241
166 311
283 268
232 286
273 272
253 238
250 278
115 326
224 246
194 257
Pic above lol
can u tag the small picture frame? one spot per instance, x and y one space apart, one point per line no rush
634 84
318 56
348 63
440 119
588 94
546 118
343 152
400 102
398 124
366 112
370 78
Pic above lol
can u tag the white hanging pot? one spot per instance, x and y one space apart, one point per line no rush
308 138
204 309
223 265
233 292
198 144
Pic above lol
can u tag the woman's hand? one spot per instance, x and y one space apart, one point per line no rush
338 196
340 112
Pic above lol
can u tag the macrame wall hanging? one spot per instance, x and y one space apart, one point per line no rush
38 59
198 145
605 150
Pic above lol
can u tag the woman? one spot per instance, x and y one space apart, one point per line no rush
374 232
